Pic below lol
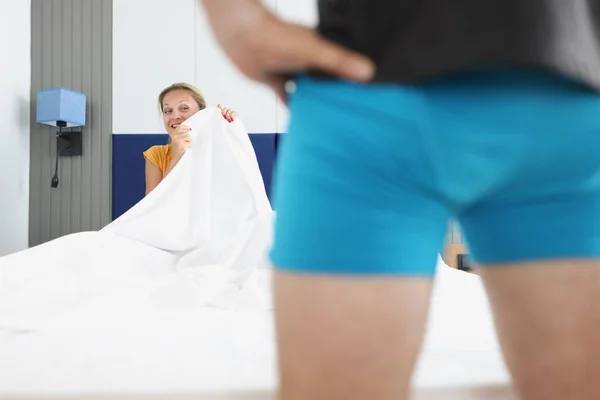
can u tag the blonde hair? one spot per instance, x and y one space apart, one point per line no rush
193 90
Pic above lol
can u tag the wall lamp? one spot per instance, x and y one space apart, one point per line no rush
63 109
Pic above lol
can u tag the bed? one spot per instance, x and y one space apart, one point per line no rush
124 346
125 349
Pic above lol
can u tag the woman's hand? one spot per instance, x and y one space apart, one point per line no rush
180 141
228 113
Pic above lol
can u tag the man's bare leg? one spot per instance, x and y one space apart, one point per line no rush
548 321
348 338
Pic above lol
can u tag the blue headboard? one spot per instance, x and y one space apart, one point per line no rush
128 165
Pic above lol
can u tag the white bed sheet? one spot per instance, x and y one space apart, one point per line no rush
138 310
150 342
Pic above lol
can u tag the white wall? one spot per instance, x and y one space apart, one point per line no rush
156 43
15 49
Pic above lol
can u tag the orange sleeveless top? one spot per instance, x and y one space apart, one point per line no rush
159 156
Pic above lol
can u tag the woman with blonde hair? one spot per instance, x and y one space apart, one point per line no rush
178 102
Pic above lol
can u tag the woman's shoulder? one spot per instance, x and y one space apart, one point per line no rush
158 150
159 155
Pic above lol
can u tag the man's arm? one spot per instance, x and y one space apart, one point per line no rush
269 50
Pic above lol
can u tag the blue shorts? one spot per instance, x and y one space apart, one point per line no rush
369 176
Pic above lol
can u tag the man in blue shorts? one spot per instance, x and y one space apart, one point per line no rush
407 114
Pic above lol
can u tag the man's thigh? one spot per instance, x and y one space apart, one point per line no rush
547 316
356 243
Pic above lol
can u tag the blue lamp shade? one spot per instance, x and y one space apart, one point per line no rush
59 104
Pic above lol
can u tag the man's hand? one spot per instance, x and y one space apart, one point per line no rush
269 50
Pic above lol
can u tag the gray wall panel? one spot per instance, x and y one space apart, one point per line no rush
71 47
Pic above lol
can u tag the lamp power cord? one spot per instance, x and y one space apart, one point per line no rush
55 180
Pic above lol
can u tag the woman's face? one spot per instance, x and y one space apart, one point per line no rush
178 105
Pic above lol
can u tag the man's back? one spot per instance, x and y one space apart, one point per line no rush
411 40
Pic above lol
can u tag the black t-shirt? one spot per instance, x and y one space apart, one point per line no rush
414 40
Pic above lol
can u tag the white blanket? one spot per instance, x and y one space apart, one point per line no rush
173 297
203 232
